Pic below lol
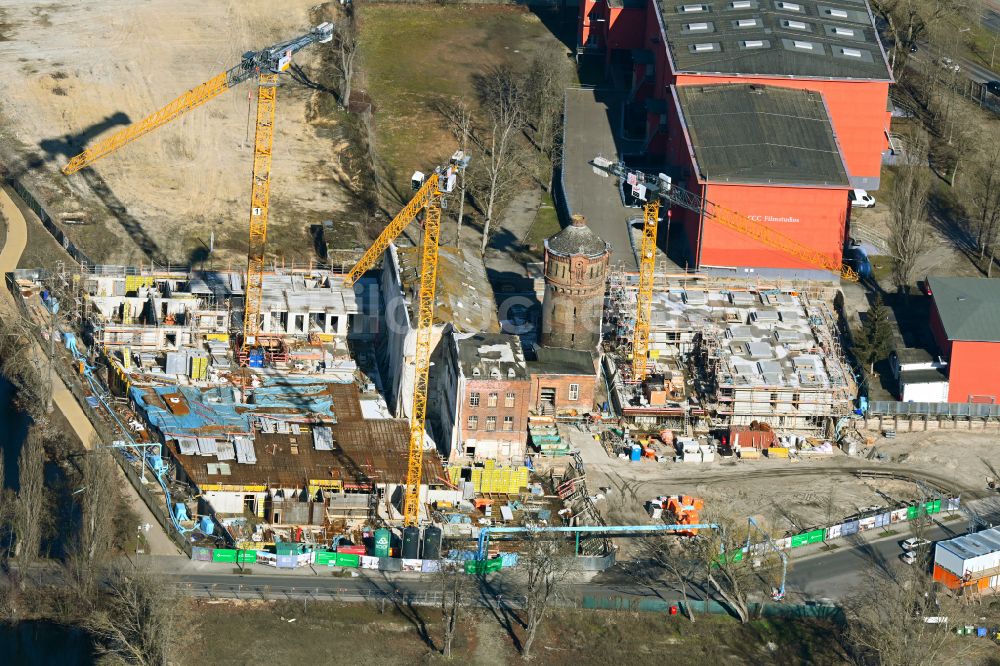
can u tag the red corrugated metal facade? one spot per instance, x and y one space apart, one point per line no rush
858 113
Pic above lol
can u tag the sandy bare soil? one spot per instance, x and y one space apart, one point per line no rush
790 495
76 70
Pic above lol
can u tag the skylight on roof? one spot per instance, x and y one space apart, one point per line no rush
808 46
690 9
852 53
844 32
796 25
746 23
694 27
789 6
741 4
753 44
707 46
839 13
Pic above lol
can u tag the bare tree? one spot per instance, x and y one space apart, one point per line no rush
985 200
908 229
546 567
97 498
462 128
139 622
31 500
454 592
735 576
887 620
500 163
547 77
679 563
347 44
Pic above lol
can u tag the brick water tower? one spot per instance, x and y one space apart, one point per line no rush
576 268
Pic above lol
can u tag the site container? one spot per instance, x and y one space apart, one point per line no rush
353 549
432 543
636 452
383 539
411 543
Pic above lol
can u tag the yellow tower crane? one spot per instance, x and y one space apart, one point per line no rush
429 197
263 65
653 190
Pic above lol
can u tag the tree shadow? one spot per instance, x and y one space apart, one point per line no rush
561 22
491 598
402 602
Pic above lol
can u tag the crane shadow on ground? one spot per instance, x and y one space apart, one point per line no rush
72 144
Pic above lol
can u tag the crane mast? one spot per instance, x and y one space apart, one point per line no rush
428 198
654 190
265 65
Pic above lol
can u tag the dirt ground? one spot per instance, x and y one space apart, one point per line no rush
790 495
327 633
76 70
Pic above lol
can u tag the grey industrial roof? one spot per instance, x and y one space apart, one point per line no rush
491 355
559 361
973 545
575 239
969 307
810 38
923 376
743 133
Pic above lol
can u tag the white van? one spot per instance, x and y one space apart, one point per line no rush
861 199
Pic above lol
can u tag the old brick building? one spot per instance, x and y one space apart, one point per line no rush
562 380
576 268
483 397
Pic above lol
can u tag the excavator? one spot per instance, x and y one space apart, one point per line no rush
264 66
426 202
655 190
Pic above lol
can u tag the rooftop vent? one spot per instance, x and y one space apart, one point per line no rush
510 373
495 373
475 372
796 25
754 44
788 6
691 9
839 13
747 23
806 46
704 47
851 53
741 4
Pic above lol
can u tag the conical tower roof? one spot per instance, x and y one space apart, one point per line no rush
577 239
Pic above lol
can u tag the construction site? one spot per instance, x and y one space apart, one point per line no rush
352 384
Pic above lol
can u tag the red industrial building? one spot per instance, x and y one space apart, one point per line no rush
965 322
828 48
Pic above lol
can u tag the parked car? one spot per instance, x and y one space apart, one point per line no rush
908 557
949 64
913 543
861 199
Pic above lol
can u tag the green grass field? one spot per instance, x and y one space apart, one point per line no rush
414 58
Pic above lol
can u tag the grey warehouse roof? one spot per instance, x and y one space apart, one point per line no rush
969 307
743 133
491 356
577 239
833 39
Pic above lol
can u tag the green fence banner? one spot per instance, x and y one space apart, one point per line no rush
483 566
246 556
816 536
225 555
347 560
937 506
800 539
911 512
326 557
